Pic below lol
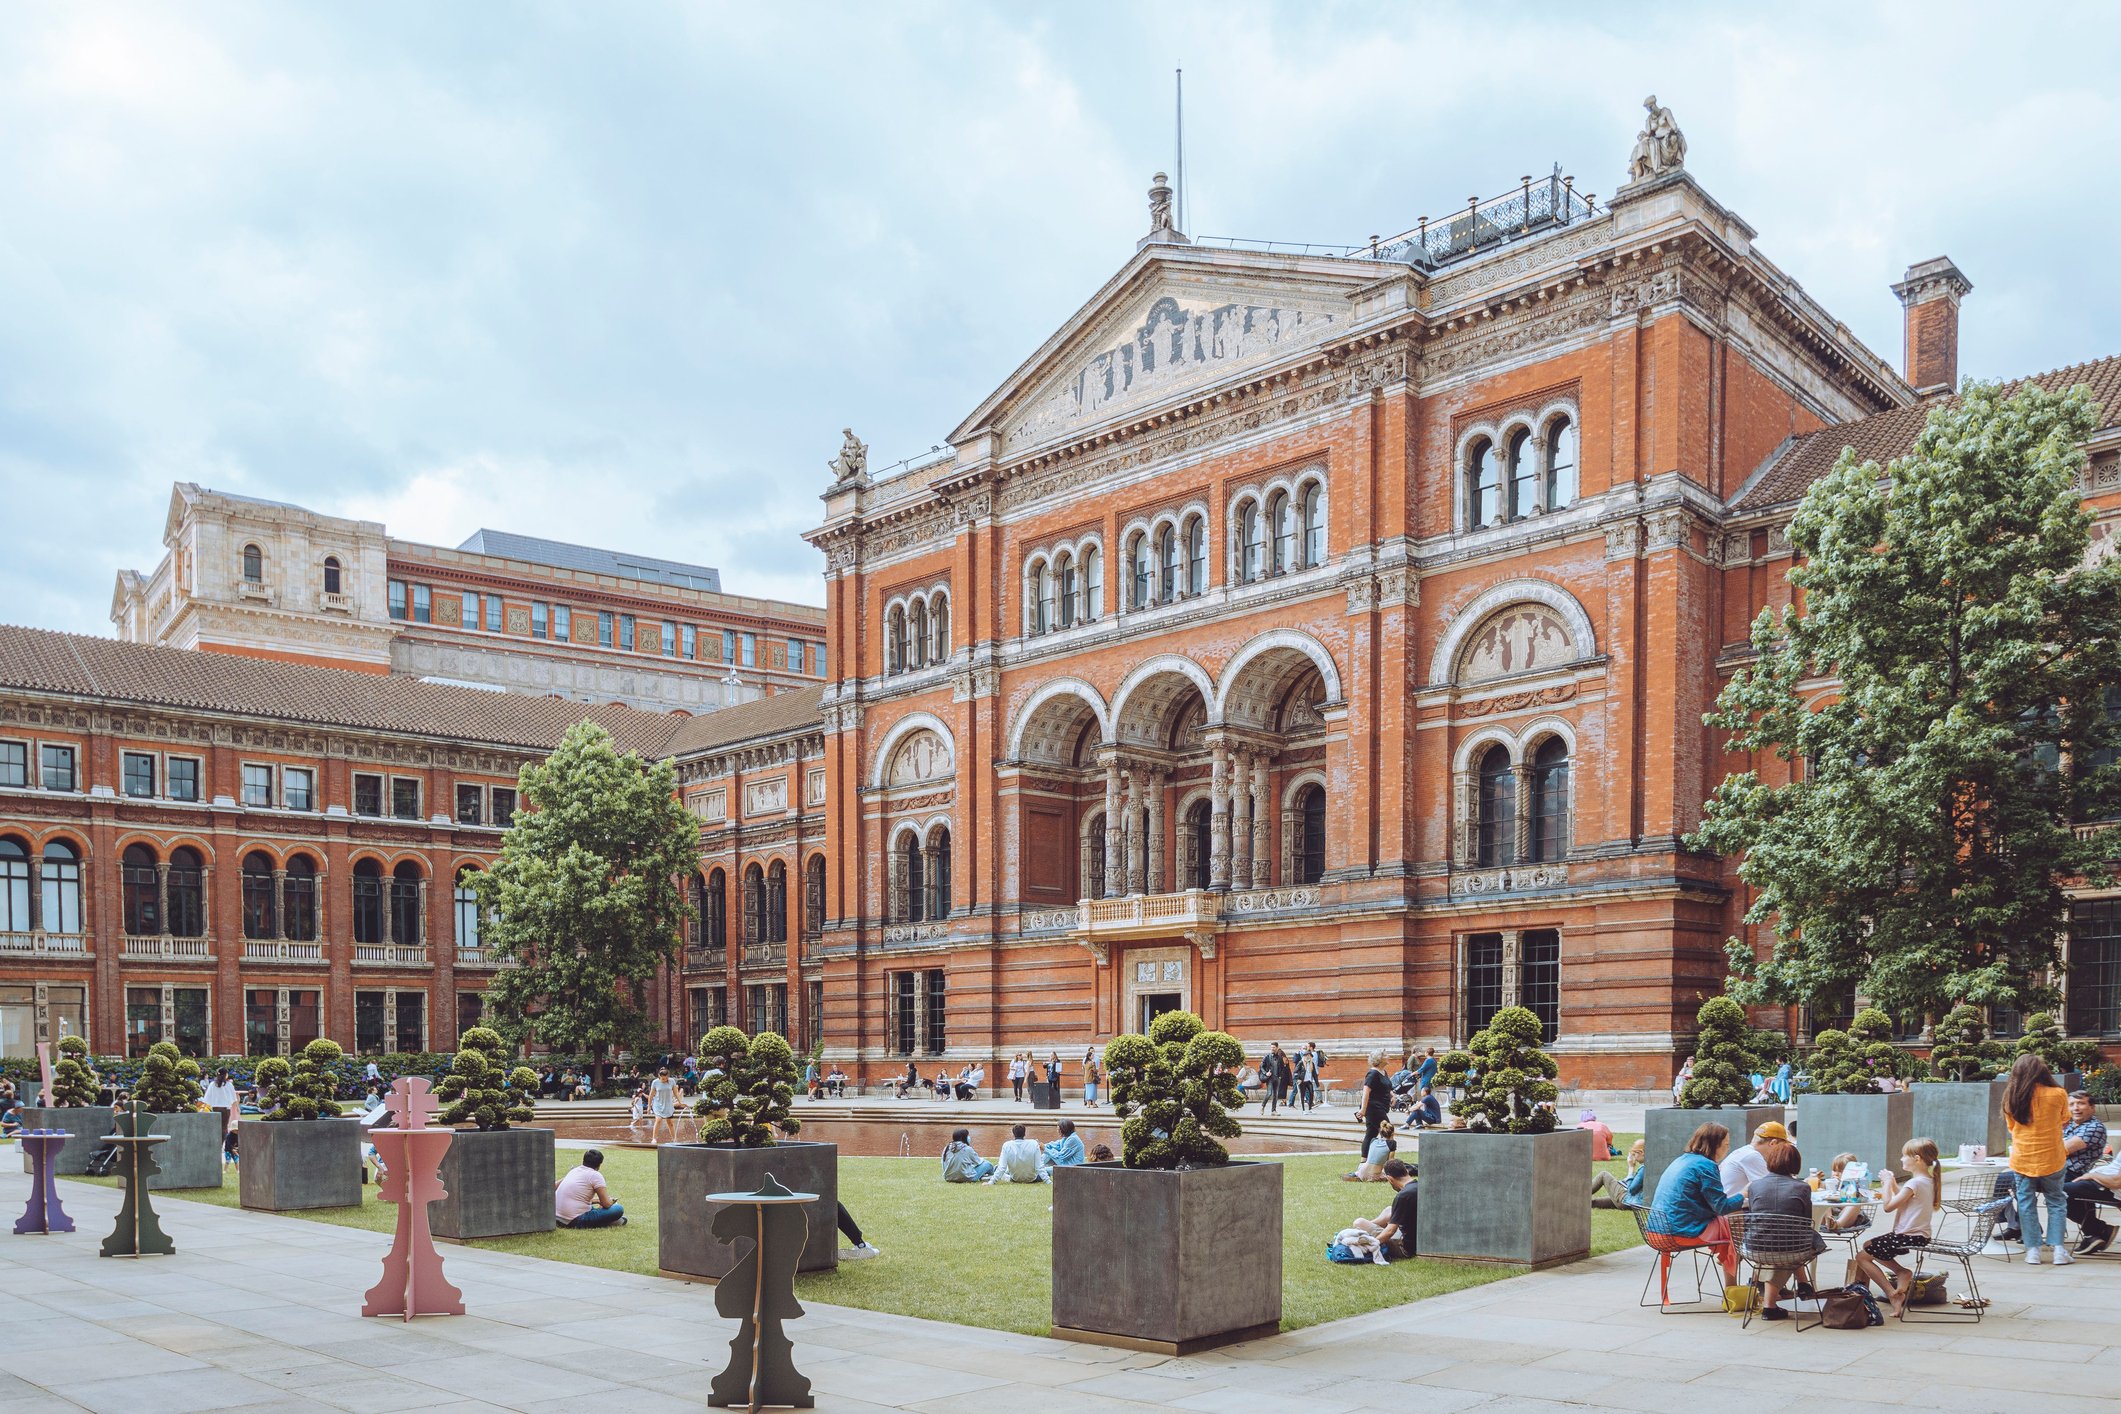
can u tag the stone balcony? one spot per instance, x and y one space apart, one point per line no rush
1148 915
477 957
773 955
389 955
167 949
42 944
268 950
705 959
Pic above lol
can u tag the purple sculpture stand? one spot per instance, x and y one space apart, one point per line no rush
412 1283
43 1215
759 1291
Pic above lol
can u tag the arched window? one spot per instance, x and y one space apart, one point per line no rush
895 641
1561 463
1524 476
1550 801
1093 586
298 897
916 879
1495 828
754 904
1196 555
405 905
939 629
14 887
1138 556
1282 517
260 914
62 889
917 635
939 876
1200 828
696 895
1166 566
714 913
1314 519
187 894
467 905
1309 856
1094 857
1065 591
1483 485
1252 538
368 902
1035 598
814 897
253 564
142 890
331 575
777 903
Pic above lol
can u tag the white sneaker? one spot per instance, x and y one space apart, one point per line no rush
2060 1256
860 1252
2032 1256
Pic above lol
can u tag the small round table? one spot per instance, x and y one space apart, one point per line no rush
759 1292
43 1215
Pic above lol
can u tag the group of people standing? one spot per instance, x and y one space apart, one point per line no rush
1281 1078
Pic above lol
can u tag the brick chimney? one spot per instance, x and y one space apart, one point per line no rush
1930 293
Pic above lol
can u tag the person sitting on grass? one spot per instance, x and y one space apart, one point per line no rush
1608 1191
961 1163
1395 1227
1102 1154
861 1251
1780 1191
1018 1162
1066 1151
1372 1167
581 1200
1601 1135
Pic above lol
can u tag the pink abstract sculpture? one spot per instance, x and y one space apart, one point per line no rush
412 1283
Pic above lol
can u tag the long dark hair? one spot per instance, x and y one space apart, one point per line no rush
957 1137
2028 1073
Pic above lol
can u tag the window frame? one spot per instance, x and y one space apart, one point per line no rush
476 794
308 793
170 776
382 795
395 812
399 600
47 753
423 604
18 769
126 761
334 575
252 796
502 819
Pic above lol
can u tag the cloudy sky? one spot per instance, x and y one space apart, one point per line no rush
619 273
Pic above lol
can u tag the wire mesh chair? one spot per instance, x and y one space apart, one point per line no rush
1976 1191
1961 1253
1664 1248
1779 1242
1851 1238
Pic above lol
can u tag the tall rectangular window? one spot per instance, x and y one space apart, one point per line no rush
194 1033
397 602
298 788
14 763
905 1009
1483 984
412 1020
1539 980
818 657
55 765
143 1019
748 650
139 774
795 655
504 806
404 798
626 632
468 803
367 795
183 778
471 610
368 1022
537 620
471 1010
493 613
670 639
562 623
936 1036
423 604
813 1013
257 785
603 628
261 1021
2094 976
729 645
691 646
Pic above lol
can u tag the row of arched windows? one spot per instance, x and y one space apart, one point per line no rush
765 904
254 568
921 876
1528 472
1498 840
1305 846
1281 533
917 632
1168 564
1064 589
53 905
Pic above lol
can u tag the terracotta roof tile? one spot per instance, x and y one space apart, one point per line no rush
1794 466
769 716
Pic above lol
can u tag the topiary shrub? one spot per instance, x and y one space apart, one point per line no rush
748 1099
1174 1090
269 1081
1962 1049
310 1089
476 1090
1724 1061
169 1081
73 1083
1508 1080
2045 1038
1852 1062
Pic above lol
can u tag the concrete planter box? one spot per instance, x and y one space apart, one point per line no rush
686 1246
87 1124
1522 1199
192 1157
300 1163
1872 1127
1955 1112
499 1183
1667 1129
1169 1261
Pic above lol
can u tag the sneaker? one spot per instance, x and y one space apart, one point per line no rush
2060 1256
2096 1243
2032 1256
1774 1313
861 1253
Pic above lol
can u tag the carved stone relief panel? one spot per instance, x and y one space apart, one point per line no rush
1518 639
923 756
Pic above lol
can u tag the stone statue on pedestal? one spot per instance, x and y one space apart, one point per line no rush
1660 147
852 464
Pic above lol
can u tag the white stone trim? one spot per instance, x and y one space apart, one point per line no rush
1268 642
1513 591
880 767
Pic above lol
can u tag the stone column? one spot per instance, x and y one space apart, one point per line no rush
1241 823
161 897
1521 834
279 904
1219 797
1512 965
1262 825
1292 828
419 918
928 904
1136 879
1115 838
896 905
1155 871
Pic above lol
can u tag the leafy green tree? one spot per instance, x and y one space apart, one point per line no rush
1922 855
2044 1038
1851 1062
169 1080
1508 1080
481 1089
584 899
747 1090
73 1083
1174 1090
1724 1060
1961 1048
310 1089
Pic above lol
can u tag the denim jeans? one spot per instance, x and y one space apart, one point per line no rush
2030 1192
600 1217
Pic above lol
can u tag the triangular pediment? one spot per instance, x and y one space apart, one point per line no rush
1174 321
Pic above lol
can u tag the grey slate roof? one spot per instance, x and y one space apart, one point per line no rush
590 560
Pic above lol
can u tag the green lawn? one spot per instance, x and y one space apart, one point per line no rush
981 1256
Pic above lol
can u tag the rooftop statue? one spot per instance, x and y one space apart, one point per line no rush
1660 147
852 464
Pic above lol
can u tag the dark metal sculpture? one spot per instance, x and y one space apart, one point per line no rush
43 1215
759 1292
138 1232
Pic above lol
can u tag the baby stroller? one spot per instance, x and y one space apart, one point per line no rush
1405 1092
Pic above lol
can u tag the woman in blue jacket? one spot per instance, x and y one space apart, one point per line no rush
1689 1208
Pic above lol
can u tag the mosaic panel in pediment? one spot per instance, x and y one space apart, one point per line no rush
1518 639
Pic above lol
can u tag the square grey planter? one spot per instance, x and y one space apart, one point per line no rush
88 1124
1872 1127
192 1157
499 1183
1043 1096
1666 1130
1523 1199
1955 1112
300 1163
686 1246
1171 1261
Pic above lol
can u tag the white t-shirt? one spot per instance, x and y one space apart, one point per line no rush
220 1094
1740 1167
1018 1162
577 1193
1914 1215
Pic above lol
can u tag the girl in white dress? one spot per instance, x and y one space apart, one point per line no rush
662 1106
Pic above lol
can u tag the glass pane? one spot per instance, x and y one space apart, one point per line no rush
412 1021
368 1022
305 1016
194 1032
261 1022
1483 980
143 1019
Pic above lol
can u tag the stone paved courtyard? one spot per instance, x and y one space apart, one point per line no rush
259 1312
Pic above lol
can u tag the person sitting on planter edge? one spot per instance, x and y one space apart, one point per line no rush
1372 1167
1018 1162
1610 1192
1689 1205
961 1164
1064 1152
581 1199
1395 1227
1779 1190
